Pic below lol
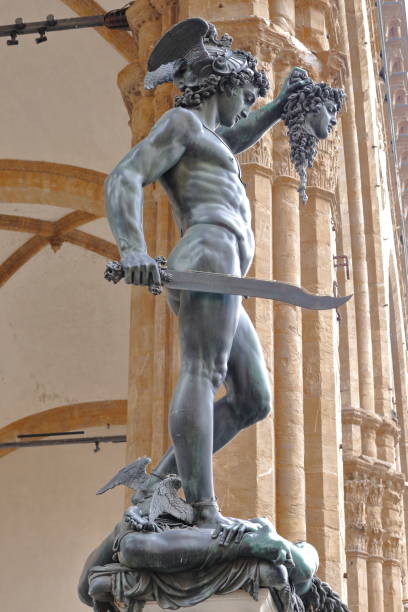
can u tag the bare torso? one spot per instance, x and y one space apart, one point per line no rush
205 190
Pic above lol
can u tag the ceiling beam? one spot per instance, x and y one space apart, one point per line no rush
17 259
120 40
40 227
92 243
33 182
16 223
54 233
66 418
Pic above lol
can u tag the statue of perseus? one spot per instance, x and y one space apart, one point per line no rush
191 151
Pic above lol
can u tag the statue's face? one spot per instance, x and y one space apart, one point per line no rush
321 123
235 107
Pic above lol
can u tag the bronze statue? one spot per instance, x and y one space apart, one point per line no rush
191 151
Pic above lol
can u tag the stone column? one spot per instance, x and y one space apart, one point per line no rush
359 255
322 437
348 348
289 423
375 575
393 526
363 60
283 14
356 492
252 453
375 550
153 342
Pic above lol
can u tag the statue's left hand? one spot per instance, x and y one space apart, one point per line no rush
135 519
232 530
297 79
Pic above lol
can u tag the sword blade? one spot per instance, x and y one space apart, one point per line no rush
210 282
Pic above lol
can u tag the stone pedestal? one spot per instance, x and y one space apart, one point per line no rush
234 602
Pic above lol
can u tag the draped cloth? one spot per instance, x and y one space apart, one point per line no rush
181 589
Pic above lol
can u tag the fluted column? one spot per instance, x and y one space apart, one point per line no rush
359 257
375 548
322 435
348 348
289 423
368 121
356 492
393 530
252 453
153 342
283 14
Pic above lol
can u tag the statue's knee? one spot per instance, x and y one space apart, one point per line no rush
100 588
265 407
133 549
127 551
257 407
83 592
273 576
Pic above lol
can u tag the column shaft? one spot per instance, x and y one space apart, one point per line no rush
252 453
375 584
283 14
358 247
368 122
290 477
152 335
357 582
392 586
320 405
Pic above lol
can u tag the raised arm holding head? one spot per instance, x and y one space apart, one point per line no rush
246 132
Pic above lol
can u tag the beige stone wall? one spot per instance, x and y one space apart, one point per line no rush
51 519
62 327
329 465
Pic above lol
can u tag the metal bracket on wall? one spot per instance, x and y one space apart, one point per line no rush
342 261
114 20
97 440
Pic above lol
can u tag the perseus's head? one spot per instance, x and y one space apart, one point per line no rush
200 64
310 115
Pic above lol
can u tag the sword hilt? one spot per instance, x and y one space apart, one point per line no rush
114 273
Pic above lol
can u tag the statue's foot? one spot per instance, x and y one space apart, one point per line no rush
207 514
226 530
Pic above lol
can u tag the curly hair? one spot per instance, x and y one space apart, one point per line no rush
228 83
321 598
309 98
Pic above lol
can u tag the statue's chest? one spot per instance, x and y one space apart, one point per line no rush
212 150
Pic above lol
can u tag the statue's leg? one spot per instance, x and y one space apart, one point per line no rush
100 588
100 556
248 398
174 550
207 325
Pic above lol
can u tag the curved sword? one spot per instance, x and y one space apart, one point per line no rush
211 282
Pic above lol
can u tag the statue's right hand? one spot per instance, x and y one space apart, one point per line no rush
140 269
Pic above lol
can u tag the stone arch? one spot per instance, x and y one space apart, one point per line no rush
394 28
404 157
403 128
397 64
66 418
34 182
400 96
